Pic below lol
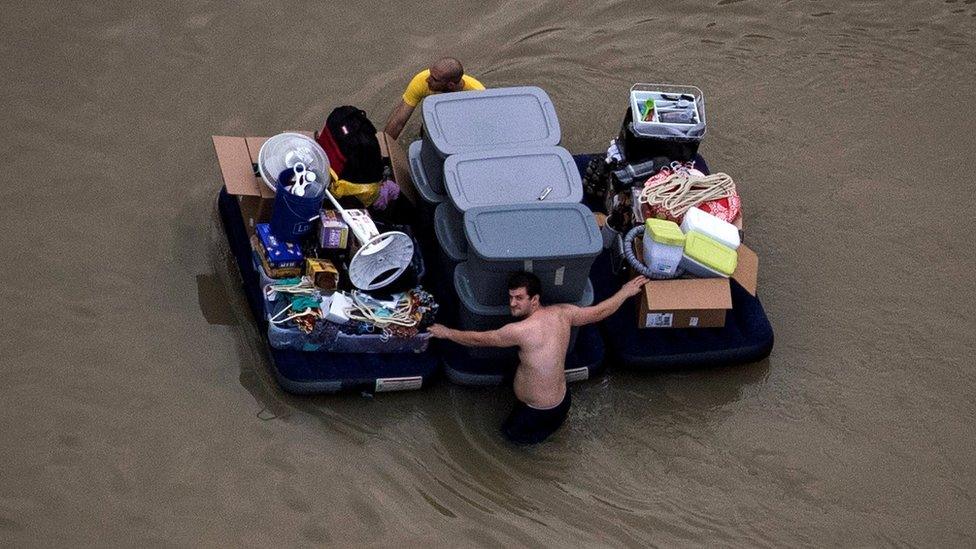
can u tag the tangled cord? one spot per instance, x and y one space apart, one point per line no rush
367 309
681 191
297 285
411 311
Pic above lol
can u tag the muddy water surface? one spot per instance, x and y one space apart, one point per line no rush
138 405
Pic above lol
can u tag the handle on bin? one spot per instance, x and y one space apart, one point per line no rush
463 283
571 166
418 171
434 129
547 106
441 223
457 182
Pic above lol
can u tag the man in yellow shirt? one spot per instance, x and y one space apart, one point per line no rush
445 75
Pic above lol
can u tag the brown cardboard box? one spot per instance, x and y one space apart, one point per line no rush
694 302
684 303
747 269
390 148
237 169
238 157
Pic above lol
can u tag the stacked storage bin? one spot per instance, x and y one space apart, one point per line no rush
501 209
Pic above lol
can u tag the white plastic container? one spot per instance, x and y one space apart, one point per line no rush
705 223
663 246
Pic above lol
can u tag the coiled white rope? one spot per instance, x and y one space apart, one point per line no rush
681 191
400 315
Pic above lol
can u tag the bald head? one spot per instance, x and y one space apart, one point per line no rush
445 75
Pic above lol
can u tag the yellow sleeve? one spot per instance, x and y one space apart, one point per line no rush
417 89
471 83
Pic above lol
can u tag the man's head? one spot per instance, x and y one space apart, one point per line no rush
524 291
445 75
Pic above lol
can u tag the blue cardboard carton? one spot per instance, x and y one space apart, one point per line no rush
280 254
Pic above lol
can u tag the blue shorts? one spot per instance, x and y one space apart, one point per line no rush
528 425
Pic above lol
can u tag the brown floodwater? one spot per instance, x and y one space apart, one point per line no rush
139 408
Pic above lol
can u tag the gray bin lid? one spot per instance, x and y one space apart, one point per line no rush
517 232
512 176
468 121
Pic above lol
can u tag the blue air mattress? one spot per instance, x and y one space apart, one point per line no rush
746 337
303 372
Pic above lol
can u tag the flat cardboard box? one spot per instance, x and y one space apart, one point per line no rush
747 269
238 157
694 302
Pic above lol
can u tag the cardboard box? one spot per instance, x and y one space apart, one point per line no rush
390 148
333 231
286 272
280 254
238 157
684 303
323 272
694 302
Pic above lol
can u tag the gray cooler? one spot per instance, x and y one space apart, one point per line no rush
557 242
474 315
470 121
512 176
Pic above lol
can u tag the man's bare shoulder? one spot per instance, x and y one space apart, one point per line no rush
563 309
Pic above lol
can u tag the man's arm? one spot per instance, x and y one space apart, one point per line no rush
398 119
595 313
506 336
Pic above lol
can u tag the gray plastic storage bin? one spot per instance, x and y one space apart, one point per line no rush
419 176
512 176
473 315
499 118
557 242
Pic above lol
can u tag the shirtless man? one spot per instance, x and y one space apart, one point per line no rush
542 337
445 75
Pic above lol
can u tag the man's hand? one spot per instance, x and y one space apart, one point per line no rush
633 286
438 330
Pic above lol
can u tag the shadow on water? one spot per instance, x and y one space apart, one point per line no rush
213 301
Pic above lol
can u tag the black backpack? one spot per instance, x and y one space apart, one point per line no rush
351 131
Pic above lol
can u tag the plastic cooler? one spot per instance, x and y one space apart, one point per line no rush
470 121
419 176
557 242
663 246
512 176
706 257
475 315
643 140
699 221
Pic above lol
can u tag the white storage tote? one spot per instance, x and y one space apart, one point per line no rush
705 223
